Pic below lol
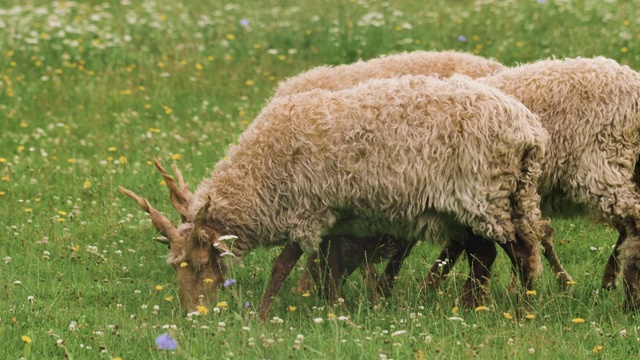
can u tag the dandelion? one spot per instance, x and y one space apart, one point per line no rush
26 339
3 160
596 349
507 316
86 184
292 308
231 37
208 280
168 299
571 282
71 160
229 282
306 294
2 193
221 304
249 82
454 310
531 292
175 156
111 148
202 309
166 342
577 320
159 287
28 210
167 109
184 264
481 308
530 316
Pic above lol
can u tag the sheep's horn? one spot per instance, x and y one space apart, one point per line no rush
178 193
161 223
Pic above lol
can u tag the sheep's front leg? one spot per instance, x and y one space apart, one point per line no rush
524 254
564 279
481 254
630 259
281 269
441 269
387 280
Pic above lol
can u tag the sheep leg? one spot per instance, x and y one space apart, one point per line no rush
309 277
525 258
612 269
481 254
281 269
630 259
443 266
564 279
387 280
332 269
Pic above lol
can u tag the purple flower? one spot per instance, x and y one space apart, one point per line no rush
462 38
166 342
246 304
244 22
229 282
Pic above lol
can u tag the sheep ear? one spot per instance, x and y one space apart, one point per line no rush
179 193
200 235
160 222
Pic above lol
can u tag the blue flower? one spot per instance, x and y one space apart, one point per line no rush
229 282
166 342
246 304
462 38
244 22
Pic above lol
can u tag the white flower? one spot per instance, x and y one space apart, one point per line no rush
318 320
399 332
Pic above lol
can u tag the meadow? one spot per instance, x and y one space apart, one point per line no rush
91 91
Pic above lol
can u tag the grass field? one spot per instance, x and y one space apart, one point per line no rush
91 91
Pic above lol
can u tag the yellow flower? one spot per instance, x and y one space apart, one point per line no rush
530 316
111 148
28 210
454 310
160 64
147 106
63 213
531 292
26 339
167 110
208 280
168 298
75 248
123 159
221 304
230 37
5 178
202 309
36 199
578 320
306 294
292 308
87 184
281 57
507 316
3 160
184 264
596 349
159 287
571 282
624 49
481 308
175 156
60 219
199 67
20 148
117 358
2 193
331 316
249 82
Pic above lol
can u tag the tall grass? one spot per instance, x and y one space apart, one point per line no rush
91 91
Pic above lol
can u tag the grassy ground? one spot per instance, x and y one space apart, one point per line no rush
91 91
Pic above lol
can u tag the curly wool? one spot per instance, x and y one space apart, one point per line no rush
415 156
442 64
590 107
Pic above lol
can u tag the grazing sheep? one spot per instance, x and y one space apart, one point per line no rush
414 157
591 108
443 64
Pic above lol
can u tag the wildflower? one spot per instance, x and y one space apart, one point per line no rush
28 210
244 22
184 264
230 37
292 308
481 308
331 316
249 82
507 316
199 67
596 349
578 320
462 38
123 160
571 282
168 298
71 160
531 292
159 287
399 332
454 310
530 316
2 193
87 184
221 304
532 351
229 282
26 339
318 320
306 294
3 160
246 304
202 309
166 342
175 156
208 280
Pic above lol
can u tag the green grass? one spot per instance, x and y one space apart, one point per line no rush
91 91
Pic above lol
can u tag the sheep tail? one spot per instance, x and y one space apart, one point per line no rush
526 203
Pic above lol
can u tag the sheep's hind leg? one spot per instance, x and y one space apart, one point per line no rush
564 279
387 280
481 253
612 269
442 267
281 269
630 259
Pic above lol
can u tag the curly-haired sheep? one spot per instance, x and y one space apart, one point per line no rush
591 108
442 64
414 157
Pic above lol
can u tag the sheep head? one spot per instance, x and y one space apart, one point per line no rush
194 248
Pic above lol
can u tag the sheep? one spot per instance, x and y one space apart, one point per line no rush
414 157
591 109
442 64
